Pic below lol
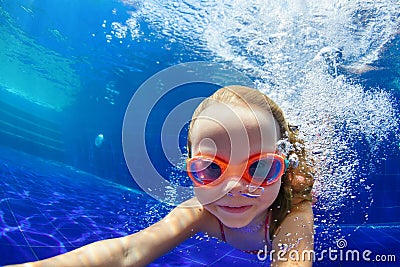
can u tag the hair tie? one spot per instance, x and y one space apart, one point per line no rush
294 160
286 149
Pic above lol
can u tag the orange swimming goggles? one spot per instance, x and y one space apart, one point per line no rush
262 169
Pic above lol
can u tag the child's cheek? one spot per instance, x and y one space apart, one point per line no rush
207 195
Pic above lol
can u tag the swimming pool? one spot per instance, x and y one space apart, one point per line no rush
68 73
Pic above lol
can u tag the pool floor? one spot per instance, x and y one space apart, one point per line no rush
47 208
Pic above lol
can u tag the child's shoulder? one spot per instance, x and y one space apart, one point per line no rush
300 215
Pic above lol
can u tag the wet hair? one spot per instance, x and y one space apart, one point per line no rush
298 179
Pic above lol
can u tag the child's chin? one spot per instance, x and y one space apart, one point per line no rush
234 219
237 224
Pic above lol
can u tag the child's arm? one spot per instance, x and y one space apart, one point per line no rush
296 234
138 249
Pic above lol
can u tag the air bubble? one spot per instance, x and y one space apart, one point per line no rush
333 113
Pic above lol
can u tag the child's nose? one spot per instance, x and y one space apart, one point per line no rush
237 185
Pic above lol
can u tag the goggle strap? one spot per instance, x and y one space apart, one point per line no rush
184 166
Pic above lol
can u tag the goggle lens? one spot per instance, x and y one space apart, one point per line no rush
204 171
265 171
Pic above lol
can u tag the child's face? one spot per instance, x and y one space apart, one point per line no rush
234 134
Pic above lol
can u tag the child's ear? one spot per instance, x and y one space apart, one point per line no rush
297 182
300 183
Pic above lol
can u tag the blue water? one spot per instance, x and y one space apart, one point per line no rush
69 70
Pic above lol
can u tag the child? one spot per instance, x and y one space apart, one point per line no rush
252 184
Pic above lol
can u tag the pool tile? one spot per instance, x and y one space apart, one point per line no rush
79 237
206 252
233 261
243 255
175 259
196 239
48 238
10 253
22 207
7 218
13 237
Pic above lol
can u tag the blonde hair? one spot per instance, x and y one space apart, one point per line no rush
298 180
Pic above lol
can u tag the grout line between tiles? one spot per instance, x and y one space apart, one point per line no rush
20 230
222 256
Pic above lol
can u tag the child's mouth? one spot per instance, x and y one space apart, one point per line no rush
235 209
